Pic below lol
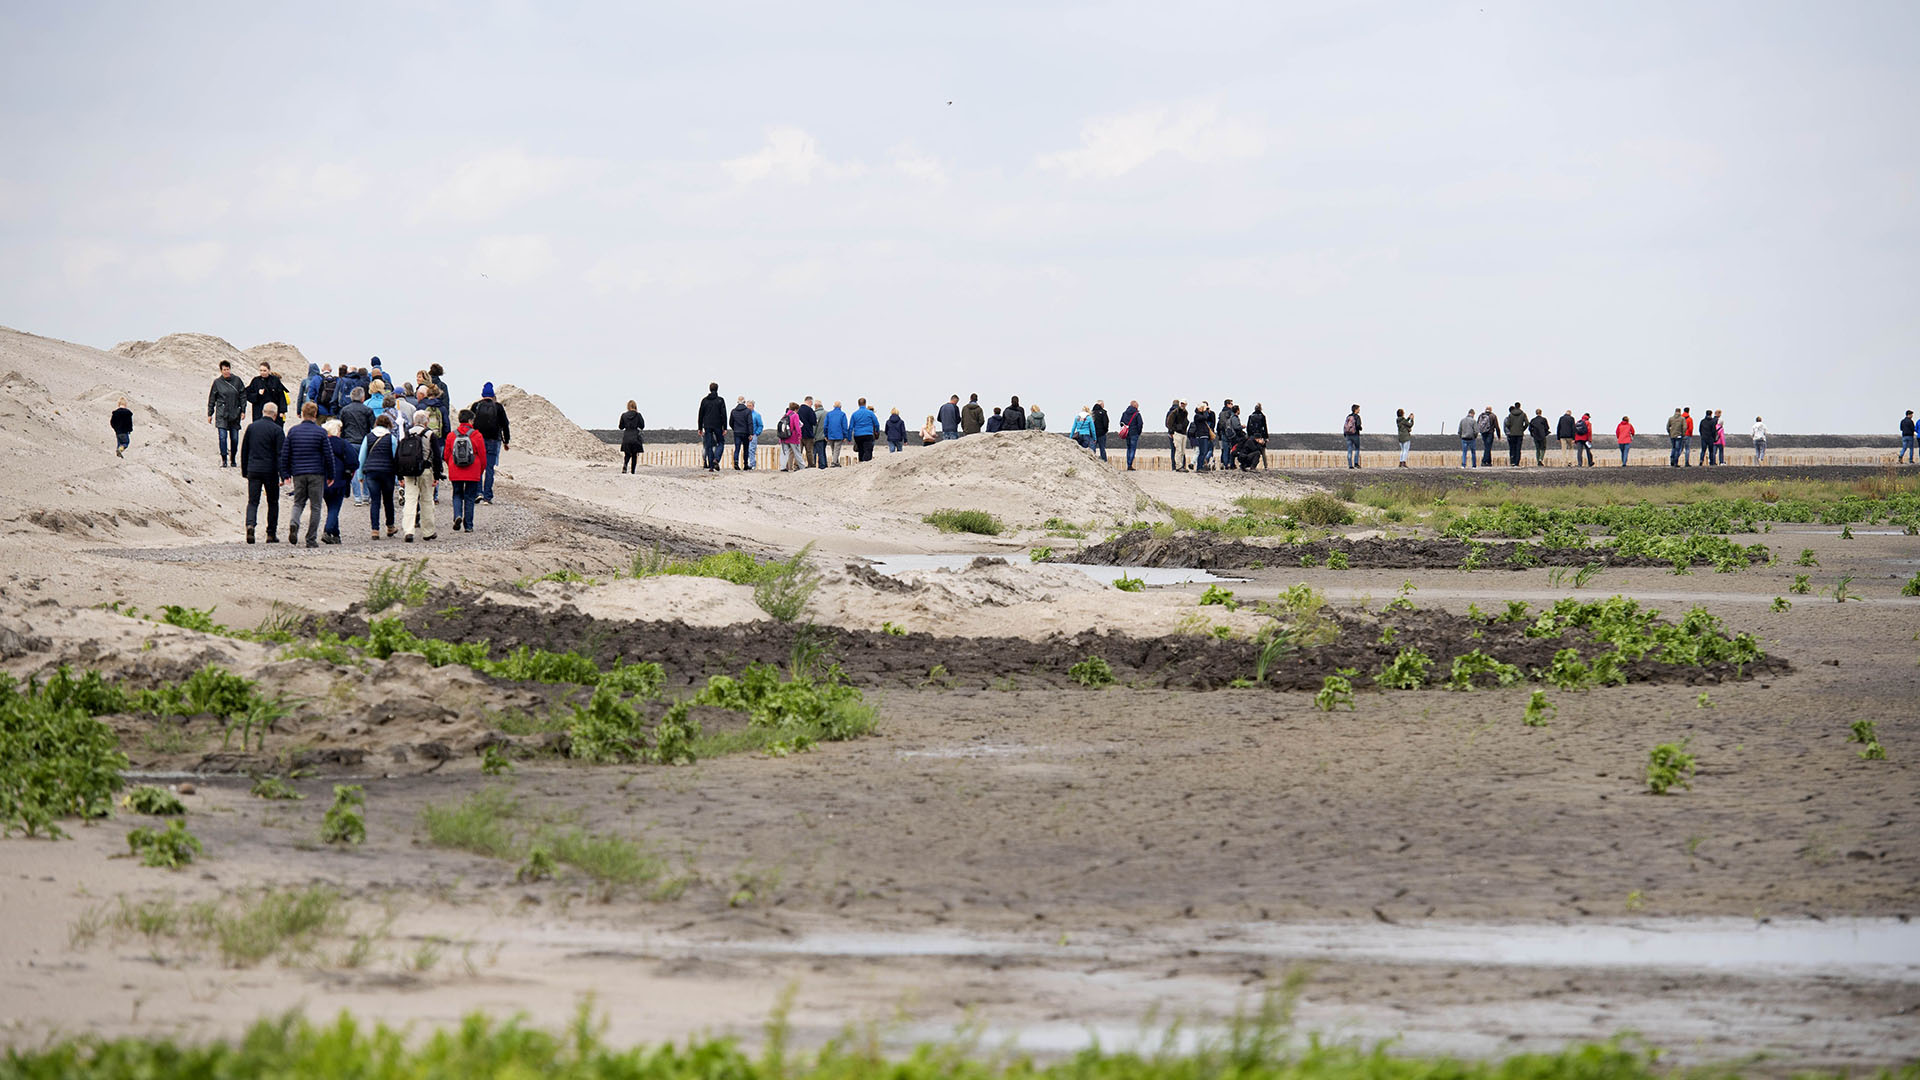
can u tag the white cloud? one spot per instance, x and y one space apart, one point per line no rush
185 208
806 278
1115 145
642 271
192 263
919 167
790 154
87 257
513 260
273 268
488 185
286 186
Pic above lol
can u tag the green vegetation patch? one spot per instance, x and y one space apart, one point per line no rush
965 521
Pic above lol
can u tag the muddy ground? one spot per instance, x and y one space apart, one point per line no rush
1141 547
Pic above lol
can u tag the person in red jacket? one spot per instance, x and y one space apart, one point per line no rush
1583 439
1623 434
466 460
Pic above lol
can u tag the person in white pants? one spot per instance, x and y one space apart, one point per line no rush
1759 442
416 506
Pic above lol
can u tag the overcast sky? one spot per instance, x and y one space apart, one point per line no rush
1615 207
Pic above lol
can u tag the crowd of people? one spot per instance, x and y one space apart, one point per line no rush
351 433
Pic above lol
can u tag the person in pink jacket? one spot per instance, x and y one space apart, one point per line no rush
790 432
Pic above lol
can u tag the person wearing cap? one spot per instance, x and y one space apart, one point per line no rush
490 420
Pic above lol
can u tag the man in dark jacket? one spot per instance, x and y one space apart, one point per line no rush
1177 434
1256 431
490 420
356 419
1013 417
1100 427
1909 452
809 431
973 418
226 404
713 427
1351 428
949 417
1541 431
307 461
740 422
1488 425
1516 434
1565 431
1130 423
1708 429
260 448
266 389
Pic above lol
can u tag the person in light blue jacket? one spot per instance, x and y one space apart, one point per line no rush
1083 430
759 425
865 428
836 426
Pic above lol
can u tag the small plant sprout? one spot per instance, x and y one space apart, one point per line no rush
1214 594
540 865
1335 691
1403 602
1703 701
1336 560
1636 900
1129 584
1540 711
891 630
1093 672
272 787
1387 634
1863 733
1039 554
1842 594
1846 532
1408 671
169 849
1781 603
494 761
1669 764
1308 560
345 822
1806 558
1801 586
1912 587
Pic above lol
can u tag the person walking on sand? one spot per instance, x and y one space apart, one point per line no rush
740 423
949 418
1565 431
713 427
260 464
1469 438
790 430
759 428
346 465
1036 420
1516 428
466 458
417 463
836 427
1130 428
490 420
376 466
1909 441
1686 444
1402 432
1759 441
1706 436
1351 428
1101 425
1676 435
632 442
809 431
929 433
226 404
356 420
864 426
1177 434
973 419
266 389
1583 438
1013 417
122 424
1540 431
1623 434
307 463
896 431
1487 426
1719 436
1201 432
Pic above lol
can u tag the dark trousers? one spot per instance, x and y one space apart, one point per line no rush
631 463
309 494
486 485
710 444
740 450
863 446
1133 445
465 494
1486 448
379 494
229 442
267 487
1100 441
1513 448
334 497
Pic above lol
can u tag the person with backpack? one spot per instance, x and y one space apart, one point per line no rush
1200 430
836 429
1351 428
632 443
1565 431
1909 441
1583 438
490 420
1488 427
949 418
416 461
309 390
260 464
791 431
1623 435
346 465
1177 434
1402 431
1539 430
1101 425
226 404
896 432
466 458
307 462
865 428
1469 437
1516 434
973 419
122 424
1013 417
1130 428
377 455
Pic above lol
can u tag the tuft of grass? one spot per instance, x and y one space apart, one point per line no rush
272 787
493 823
784 590
392 585
482 824
1841 592
1094 672
1669 764
731 565
978 522
170 848
1540 712
1129 584
345 821
244 929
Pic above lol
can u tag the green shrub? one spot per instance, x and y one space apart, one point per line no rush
1320 508
643 679
494 761
1781 603
1093 672
1214 594
56 759
1408 671
784 716
1469 665
1539 710
1335 691
155 801
1336 560
272 787
1039 554
1864 733
784 590
398 585
1806 558
607 730
1129 584
1669 764
169 848
966 521
345 822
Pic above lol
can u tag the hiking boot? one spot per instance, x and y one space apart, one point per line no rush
119 451
330 538
312 543
409 538
391 529
376 534
249 534
272 539
456 526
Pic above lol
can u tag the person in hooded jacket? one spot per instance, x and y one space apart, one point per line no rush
1516 434
465 441
1402 432
1706 436
356 420
1082 430
226 404
122 424
740 423
896 432
1013 417
1623 436
1200 430
309 390
1177 434
973 418
790 442
993 422
1130 428
260 464
376 470
1583 438
1100 427
1232 434
346 464
1540 431
632 443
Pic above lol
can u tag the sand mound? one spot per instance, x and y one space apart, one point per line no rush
197 353
285 358
1024 477
540 428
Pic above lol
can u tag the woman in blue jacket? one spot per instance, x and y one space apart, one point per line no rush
1083 430
376 469
896 432
346 458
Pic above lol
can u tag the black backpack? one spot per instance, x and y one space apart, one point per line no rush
784 429
486 416
329 390
410 459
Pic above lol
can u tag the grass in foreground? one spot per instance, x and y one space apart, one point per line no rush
243 930
493 822
966 521
1263 1048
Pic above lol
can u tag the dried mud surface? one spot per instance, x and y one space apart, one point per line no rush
1207 552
